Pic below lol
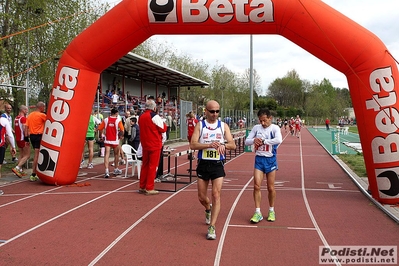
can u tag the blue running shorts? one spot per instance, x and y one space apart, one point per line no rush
266 164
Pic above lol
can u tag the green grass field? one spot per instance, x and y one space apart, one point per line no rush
356 161
353 159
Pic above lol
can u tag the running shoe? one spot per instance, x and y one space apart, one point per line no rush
15 159
17 172
211 233
208 216
33 178
106 175
272 216
256 218
90 166
81 164
142 191
117 171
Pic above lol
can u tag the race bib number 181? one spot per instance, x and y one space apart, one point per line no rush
210 154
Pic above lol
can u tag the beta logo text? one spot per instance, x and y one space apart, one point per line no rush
220 11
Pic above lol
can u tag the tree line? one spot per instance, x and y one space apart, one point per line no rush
287 96
34 34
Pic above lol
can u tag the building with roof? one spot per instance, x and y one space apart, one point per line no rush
142 77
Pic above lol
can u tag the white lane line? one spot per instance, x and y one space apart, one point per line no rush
226 224
305 199
4 242
302 228
272 227
37 194
110 246
60 215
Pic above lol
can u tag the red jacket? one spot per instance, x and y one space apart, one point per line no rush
151 129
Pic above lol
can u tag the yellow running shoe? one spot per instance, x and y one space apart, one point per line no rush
272 216
211 233
256 218
33 178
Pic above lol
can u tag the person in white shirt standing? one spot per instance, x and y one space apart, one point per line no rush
115 99
266 137
7 114
6 132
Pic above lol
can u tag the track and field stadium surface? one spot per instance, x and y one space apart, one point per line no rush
99 221
346 141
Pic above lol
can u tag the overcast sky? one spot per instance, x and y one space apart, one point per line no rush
274 55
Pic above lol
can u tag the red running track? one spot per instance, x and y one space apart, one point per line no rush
106 222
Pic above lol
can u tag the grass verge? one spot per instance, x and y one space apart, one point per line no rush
355 162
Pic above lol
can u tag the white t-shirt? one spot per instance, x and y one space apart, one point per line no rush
115 98
271 137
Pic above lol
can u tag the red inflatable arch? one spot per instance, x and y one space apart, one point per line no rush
311 24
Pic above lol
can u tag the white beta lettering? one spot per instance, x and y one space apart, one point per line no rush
384 120
53 133
384 149
381 79
59 109
68 77
223 11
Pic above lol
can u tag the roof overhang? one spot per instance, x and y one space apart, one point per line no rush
137 67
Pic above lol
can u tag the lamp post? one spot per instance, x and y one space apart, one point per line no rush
24 2
221 110
27 76
251 81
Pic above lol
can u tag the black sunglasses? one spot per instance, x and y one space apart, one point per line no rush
213 111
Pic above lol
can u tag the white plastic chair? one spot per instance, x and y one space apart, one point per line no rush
131 157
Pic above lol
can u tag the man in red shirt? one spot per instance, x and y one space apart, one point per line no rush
327 123
22 139
113 131
191 122
151 128
298 125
